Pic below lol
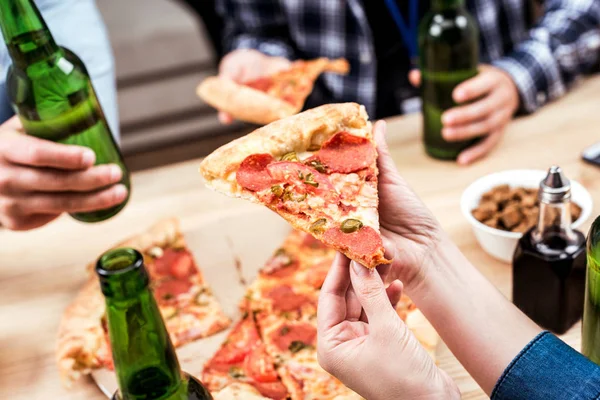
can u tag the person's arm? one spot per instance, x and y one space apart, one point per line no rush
562 46
255 24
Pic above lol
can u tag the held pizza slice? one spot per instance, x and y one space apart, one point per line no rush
270 98
317 169
186 302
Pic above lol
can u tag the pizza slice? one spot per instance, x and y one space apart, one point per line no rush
270 98
242 359
301 260
317 169
239 391
187 304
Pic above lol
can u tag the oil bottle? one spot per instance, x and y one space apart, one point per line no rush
549 263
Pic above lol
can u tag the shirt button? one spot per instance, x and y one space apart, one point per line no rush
365 58
541 98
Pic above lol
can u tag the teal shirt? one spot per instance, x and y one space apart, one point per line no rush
78 26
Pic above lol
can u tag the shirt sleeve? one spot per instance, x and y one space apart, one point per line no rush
255 24
78 26
561 47
547 368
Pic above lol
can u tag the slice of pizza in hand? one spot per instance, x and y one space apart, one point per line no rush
269 98
317 169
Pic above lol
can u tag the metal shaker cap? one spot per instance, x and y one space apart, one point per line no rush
555 187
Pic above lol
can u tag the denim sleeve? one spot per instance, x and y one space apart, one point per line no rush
78 26
547 368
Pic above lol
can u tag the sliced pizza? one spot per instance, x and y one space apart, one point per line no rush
243 359
317 169
238 391
186 302
270 98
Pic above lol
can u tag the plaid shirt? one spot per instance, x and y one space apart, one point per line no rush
542 61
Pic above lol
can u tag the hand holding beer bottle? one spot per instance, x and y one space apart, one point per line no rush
40 180
51 92
466 106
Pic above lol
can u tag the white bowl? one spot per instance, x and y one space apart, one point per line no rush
501 244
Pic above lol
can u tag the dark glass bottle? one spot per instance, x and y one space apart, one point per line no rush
591 315
448 56
549 262
145 361
52 93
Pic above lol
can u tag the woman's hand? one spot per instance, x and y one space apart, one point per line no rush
411 233
246 65
364 343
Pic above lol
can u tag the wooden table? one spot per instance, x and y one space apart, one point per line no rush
40 271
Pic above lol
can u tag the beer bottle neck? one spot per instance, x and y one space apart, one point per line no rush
446 4
143 355
25 33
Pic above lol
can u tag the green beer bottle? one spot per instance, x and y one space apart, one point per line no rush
51 91
591 311
144 357
448 55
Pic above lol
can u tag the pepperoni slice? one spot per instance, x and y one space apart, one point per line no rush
259 366
272 390
240 343
177 263
262 84
285 299
317 273
302 332
364 242
253 174
304 177
347 153
168 289
281 265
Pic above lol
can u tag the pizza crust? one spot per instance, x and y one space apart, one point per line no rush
296 133
80 334
242 102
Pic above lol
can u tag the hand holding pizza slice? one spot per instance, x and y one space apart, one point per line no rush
317 169
269 98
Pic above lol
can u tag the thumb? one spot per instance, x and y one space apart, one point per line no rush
372 295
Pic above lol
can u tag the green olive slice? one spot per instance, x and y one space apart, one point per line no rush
291 156
351 225
318 226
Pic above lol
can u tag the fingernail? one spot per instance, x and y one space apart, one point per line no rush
115 173
358 269
88 158
120 191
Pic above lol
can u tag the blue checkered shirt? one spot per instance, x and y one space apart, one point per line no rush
543 60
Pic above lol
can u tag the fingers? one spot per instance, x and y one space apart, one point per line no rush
414 77
63 202
489 123
385 163
30 151
27 223
474 88
26 180
394 292
332 299
225 118
471 112
372 295
478 151
12 126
